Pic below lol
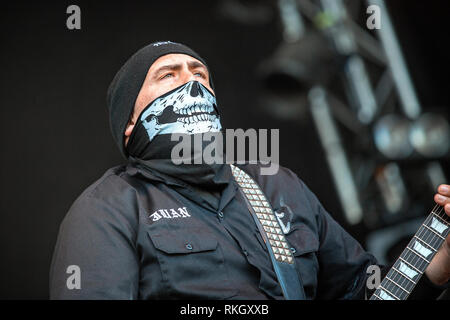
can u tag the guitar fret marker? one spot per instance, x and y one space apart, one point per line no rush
424 252
385 296
428 245
438 226
407 263
417 254
433 231
447 223
404 275
410 273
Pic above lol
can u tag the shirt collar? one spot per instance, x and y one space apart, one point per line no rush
224 177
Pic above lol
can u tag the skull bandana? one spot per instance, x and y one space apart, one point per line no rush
189 109
127 82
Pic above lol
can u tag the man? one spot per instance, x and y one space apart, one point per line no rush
151 229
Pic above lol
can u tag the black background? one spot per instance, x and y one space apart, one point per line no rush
55 136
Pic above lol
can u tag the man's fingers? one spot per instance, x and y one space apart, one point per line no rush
444 189
443 200
440 199
443 197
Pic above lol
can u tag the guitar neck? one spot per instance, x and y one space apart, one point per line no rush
410 266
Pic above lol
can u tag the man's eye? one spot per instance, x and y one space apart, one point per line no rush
200 74
167 76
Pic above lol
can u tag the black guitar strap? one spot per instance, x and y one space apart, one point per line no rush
279 250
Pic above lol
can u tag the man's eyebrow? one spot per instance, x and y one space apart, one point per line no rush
196 64
168 67
178 66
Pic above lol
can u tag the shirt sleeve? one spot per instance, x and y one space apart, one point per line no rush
343 262
95 255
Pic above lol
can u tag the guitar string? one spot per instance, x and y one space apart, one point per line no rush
391 287
398 281
431 237
425 237
396 288
388 284
413 258
429 240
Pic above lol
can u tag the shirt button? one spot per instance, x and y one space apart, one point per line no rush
245 252
293 250
220 214
189 246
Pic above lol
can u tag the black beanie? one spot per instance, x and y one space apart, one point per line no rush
124 89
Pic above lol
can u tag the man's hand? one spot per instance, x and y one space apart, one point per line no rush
439 269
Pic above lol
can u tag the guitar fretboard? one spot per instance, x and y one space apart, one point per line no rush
410 266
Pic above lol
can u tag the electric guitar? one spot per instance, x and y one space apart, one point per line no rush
410 266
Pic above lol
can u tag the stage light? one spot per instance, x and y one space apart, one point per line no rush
391 134
293 70
430 135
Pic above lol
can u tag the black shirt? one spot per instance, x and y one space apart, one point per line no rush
178 243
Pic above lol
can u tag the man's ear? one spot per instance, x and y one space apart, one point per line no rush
129 129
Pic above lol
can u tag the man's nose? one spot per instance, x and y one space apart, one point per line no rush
195 89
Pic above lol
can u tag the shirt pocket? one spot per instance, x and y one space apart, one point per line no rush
303 240
192 264
304 245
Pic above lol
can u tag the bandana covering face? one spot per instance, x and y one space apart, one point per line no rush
189 109
128 81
